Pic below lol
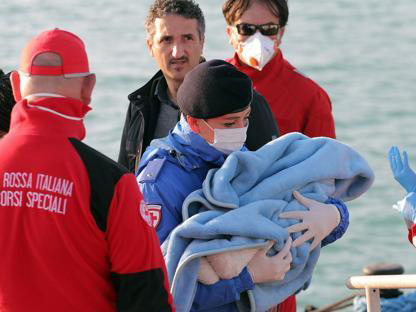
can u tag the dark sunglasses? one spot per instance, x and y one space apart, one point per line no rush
245 29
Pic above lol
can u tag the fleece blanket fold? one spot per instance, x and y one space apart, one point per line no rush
239 204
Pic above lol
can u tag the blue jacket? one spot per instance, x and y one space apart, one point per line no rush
170 170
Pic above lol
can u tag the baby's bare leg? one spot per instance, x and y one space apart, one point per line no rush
229 264
206 274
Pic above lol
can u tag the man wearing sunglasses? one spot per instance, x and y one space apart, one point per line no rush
255 29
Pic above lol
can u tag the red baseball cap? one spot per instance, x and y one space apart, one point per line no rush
66 45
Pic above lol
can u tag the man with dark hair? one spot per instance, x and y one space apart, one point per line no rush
6 103
255 29
175 39
71 236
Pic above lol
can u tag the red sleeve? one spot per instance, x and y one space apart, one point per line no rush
412 234
320 121
137 264
289 305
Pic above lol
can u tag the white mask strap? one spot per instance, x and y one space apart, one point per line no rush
208 125
44 94
46 109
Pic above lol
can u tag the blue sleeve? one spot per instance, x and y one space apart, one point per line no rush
339 231
411 198
161 189
222 293
168 203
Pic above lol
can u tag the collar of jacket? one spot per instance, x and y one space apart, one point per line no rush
147 90
273 68
50 117
144 102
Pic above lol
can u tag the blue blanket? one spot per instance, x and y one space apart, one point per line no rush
403 303
239 205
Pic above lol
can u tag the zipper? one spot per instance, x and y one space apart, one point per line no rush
140 139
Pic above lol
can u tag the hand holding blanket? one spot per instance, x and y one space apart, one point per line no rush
317 222
266 269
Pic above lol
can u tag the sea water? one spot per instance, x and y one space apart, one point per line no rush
361 52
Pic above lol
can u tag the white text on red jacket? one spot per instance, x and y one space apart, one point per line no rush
40 191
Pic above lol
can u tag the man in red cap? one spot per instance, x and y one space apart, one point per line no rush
71 236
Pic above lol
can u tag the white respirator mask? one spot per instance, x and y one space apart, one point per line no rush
228 140
257 50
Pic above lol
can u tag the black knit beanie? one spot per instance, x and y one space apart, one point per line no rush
6 101
214 88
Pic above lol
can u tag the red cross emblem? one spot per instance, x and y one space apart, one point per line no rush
152 214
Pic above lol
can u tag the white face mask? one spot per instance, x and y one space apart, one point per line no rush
228 140
257 50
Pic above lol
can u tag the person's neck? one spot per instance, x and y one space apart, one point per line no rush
173 86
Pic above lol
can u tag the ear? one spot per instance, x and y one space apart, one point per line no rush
233 38
15 82
229 30
280 35
149 43
193 124
87 87
202 39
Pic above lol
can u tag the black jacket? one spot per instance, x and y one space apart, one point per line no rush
143 112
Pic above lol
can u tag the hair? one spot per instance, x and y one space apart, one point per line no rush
185 8
234 9
6 101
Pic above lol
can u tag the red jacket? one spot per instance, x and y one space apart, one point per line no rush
297 102
71 236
